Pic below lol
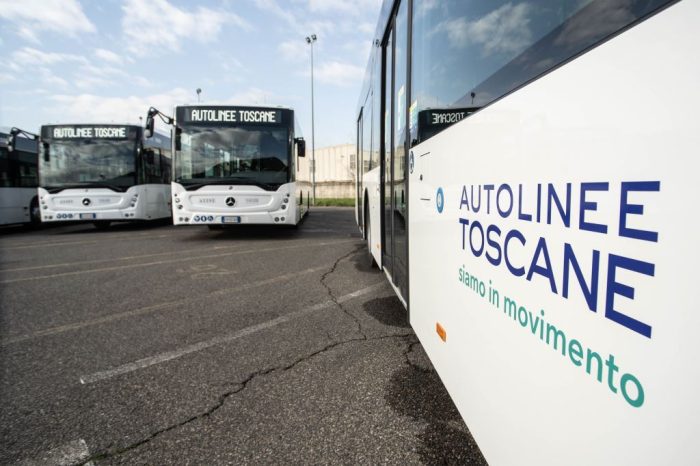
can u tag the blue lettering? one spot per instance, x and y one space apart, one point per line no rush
488 188
565 214
504 188
521 215
476 207
464 200
476 225
545 271
636 209
494 244
520 271
616 288
464 223
592 206
590 293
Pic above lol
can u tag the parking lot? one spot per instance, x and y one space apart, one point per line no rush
154 344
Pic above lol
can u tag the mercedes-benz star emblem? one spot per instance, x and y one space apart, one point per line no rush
86 202
230 201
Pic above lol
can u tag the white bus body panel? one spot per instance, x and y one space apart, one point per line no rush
251 205
15 205
142 202
625 112
372 187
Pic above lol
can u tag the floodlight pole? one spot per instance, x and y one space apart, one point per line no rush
310 40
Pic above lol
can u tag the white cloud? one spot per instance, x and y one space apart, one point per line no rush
294 50
31 17
153 24
6 78
108 56
28 56
91 108
51 79
271 6
339 74
504 30
253 96
354 7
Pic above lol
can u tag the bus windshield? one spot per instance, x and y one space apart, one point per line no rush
258 155
102 162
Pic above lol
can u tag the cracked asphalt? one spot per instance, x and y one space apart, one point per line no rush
150 344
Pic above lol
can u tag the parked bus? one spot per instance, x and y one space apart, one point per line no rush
18 177
524 174
103 173
235 165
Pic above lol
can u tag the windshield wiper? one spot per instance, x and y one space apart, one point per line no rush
88 185
233 180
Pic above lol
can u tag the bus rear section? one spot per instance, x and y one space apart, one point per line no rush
18 180
103 174
236 165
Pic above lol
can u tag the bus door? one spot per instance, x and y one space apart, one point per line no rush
394 180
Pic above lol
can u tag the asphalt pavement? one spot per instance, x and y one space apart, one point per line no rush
154 344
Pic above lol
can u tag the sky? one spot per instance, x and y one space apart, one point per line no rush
75 61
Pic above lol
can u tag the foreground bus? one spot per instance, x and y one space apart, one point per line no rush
527 177
18 178
103 174
236 165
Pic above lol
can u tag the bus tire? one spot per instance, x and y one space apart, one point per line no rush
34 213
102 224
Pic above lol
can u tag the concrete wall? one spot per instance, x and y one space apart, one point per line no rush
335 167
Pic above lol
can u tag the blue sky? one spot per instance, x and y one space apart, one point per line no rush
70 61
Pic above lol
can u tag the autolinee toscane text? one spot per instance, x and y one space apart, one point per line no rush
530 257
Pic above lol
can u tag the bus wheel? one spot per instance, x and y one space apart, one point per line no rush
102 224
34 214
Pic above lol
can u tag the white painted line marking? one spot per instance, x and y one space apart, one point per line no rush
154 307
69 454
119 259
170 355
23 245
169 261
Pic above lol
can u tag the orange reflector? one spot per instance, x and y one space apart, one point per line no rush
441 332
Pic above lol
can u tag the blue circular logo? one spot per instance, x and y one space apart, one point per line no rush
440 200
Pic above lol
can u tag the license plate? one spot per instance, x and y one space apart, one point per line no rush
231 219
87 216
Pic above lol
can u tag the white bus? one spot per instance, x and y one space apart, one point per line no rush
525 174
235 165
18 177
103 173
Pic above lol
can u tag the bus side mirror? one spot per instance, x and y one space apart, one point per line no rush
178 141
301 147
47 155
11 142
149 128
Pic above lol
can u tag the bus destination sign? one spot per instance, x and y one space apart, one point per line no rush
87 132
232 115
445 117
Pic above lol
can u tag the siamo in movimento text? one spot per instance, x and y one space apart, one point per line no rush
601 208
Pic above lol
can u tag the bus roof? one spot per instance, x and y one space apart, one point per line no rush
275 107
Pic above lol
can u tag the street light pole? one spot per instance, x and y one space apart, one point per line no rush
310 40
